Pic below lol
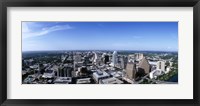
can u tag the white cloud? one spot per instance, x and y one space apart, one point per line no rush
25 28
27 32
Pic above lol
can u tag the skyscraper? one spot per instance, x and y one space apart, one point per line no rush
96 59
114 58
139 56
106 59
121 59
68 71
144 66
124 61
131 70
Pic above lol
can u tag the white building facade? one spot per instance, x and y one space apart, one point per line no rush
114 58
160 65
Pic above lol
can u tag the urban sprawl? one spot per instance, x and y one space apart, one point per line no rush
99 67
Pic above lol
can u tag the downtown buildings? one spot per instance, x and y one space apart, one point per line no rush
95 67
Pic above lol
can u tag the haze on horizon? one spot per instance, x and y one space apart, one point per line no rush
136 36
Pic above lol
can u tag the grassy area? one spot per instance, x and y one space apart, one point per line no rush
167 76
164 77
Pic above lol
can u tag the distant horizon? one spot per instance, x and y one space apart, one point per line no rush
140 36
101 50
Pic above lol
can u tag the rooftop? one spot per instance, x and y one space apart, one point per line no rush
62 80
83 81
112 80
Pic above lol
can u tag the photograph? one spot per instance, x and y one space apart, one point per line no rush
99 52
107 52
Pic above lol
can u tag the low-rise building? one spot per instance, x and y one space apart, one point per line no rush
83 81
111 80
63 80
30 79
155 73
100 75
49 74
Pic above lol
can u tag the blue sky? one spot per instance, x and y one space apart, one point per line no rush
156 36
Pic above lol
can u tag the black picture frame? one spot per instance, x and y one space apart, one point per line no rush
99 3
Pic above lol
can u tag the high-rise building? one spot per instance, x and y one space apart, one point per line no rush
144 66
121 61
114 58
160 65
106 59
170 64
139 56
55 68
98 75
86 60
124 61
96 59
131 70
68 71
131 57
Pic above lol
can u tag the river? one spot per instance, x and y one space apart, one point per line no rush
174 78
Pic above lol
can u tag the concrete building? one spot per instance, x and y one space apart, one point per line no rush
115 74
48 74
77 64
131 57
121 63
65 70
131 70
168 69
83 81
100 75
155 73
68 71
106 59
29 79
111 80
86 60
170 64
160 65
144 66
55 68
63 80
95 57
139 56
125 62
114 58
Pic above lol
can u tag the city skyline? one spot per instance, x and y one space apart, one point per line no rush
138 36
